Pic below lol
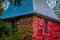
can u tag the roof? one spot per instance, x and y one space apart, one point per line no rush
25 8
29 7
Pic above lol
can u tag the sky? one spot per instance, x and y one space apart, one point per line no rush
51 3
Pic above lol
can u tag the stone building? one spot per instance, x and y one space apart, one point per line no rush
36 14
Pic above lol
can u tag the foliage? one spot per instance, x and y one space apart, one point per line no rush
25 30
4 30
1 1
24 34
1 9
57 14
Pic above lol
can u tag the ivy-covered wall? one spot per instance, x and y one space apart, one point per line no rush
25 22
38 25
8 24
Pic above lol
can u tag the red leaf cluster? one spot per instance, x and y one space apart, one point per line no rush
54 30
39 26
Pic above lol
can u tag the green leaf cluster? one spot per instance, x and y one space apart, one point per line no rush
57 14
4 30
1 9
25 34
